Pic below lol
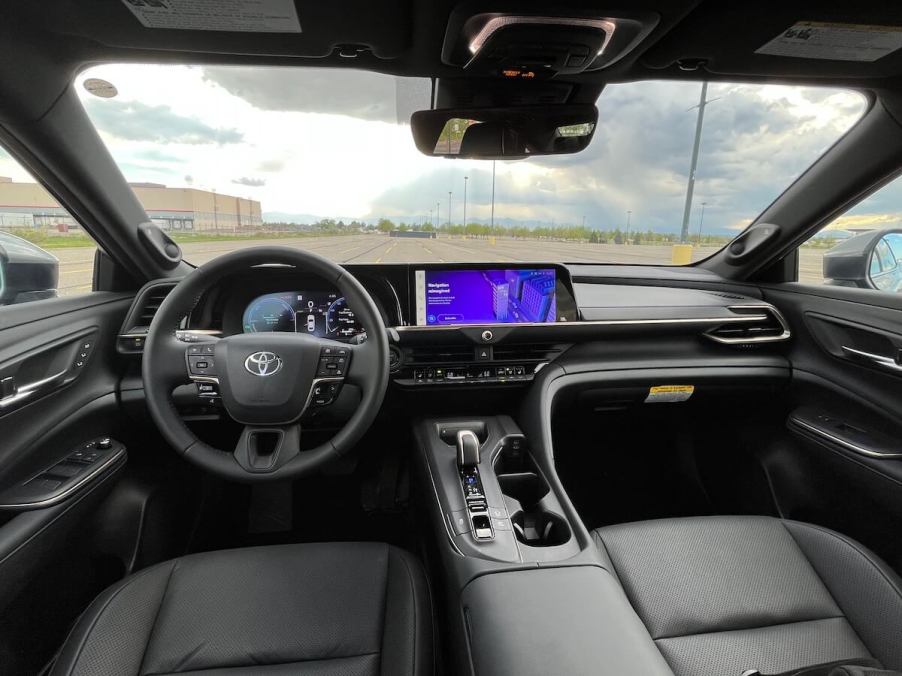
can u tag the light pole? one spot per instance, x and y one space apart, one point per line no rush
628 215
438 217
466 178
701 219
449 209
703 101
492 226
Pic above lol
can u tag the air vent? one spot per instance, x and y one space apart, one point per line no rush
149 304
137 321
440 354
394 358
765 325
465 354
527 352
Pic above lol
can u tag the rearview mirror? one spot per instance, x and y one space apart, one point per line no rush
870 260
504 133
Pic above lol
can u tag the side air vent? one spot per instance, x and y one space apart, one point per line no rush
137 321
150 304
765 325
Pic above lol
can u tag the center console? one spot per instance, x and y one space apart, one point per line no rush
527 590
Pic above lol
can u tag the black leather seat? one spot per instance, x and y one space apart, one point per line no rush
720 595
314 610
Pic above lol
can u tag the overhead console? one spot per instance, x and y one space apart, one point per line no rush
530 44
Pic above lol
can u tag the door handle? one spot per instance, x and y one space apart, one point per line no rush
22 393
879 360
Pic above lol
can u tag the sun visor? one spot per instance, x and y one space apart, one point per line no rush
272 28
807 40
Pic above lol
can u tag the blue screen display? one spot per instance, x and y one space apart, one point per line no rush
505 296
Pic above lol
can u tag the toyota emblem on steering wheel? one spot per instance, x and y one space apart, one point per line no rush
263 363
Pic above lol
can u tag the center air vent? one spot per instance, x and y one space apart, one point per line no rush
464 354
440 354
527 352
765 325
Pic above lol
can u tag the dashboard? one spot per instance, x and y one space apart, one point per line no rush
324 314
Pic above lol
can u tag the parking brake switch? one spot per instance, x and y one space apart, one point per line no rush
467 465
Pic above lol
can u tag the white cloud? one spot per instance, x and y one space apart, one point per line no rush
343 154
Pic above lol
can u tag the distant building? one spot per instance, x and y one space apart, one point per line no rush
177 209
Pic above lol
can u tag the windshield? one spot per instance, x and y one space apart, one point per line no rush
223 157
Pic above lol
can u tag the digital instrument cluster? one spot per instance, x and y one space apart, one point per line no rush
324 314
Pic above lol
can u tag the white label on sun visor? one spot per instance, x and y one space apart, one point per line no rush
834 41
666 394
252 16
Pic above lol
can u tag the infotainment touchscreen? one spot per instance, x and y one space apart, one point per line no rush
472 296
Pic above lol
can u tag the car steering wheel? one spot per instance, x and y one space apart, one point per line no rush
267 380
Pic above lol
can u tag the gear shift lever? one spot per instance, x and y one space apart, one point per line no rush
467 449
468 466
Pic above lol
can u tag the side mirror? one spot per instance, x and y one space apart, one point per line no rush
27 272
885 268
504 133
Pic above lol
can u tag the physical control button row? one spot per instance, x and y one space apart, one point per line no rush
481 374
325 393
333 361
84 351
200 360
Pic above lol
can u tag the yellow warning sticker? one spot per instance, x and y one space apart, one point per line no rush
664 394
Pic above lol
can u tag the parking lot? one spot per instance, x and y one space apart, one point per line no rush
76 263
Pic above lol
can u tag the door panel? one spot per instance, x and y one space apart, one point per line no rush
841 463
59 373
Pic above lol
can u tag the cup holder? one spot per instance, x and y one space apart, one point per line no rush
527 488
540 529
532 524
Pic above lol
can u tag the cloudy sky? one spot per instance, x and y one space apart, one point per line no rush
330 144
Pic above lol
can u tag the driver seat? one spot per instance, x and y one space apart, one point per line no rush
342 609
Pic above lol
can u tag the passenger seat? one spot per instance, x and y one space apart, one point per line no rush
725 594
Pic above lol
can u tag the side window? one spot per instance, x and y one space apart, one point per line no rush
862 248
44 251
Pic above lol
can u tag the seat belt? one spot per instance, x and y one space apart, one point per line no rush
859 667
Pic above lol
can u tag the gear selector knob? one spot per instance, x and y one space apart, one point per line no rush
467 449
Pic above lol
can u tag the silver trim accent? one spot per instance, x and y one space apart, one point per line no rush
49 502
879 360
25 392
848 445
785 335
594 322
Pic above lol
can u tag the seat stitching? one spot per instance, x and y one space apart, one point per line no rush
153 625
853 545
862 554
99 613
270 664
384 607
763 626
412 596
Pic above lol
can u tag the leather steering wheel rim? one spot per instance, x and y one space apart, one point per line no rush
164 363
